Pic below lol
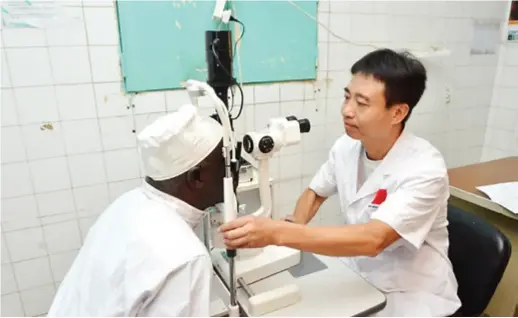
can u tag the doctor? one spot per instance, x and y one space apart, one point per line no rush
142 257
393 190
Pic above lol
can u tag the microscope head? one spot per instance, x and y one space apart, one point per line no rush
281 132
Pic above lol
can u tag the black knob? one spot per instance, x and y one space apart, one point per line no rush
248 143
266 144
304 125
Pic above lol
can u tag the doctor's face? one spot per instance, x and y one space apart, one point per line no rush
364 110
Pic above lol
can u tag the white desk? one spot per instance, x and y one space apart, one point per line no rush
334 291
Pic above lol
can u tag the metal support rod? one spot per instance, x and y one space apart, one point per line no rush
206 231
233 288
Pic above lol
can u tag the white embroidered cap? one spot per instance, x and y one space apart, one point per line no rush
176 142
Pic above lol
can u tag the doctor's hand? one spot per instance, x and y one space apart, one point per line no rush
250 232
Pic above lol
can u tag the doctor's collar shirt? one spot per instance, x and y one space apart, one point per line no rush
415 272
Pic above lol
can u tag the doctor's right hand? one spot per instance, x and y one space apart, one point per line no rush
250 232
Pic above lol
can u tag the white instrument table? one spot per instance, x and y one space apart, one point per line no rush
328 288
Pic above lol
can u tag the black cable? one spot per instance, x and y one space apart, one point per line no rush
214 43
234 80
240 36
235 50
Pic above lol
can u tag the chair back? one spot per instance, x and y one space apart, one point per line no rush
479 253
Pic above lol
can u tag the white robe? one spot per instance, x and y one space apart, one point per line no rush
141 258
414 273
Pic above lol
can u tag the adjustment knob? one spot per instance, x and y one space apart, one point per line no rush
248 144
304 125
266 144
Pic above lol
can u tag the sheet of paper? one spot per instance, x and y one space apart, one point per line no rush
504 194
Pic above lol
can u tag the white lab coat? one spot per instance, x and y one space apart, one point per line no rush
141 258
414 273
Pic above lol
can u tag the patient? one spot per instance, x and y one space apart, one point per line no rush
142 257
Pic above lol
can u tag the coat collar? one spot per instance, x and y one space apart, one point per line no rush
389 165
188 213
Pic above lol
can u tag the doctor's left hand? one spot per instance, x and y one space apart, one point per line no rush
249 232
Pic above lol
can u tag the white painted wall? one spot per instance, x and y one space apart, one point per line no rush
502 124
55 182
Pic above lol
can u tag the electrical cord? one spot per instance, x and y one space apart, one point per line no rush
234 80
240 36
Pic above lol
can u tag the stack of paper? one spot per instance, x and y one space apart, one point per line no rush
504 194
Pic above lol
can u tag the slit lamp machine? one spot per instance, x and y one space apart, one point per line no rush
244 267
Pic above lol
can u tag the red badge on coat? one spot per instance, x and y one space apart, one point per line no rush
379 198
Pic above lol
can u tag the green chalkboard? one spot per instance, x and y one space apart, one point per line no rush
162 42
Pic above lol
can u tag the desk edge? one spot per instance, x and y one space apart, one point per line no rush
480 201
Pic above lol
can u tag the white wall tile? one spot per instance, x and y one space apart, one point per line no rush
295 108
150 103
19 213
111 100
12 305
323 53
99 3
292 91
101 26
54 234
52 203
23 37
33 273
61 263
5 253
511 56
91 200
43 143
266 93
289 191
29 67
37 301
82 136
76 101
340 24
338 60
9 117
509 77
87 169
58 218
315 112
36 105
290 167
50 174
507 98
322 33
13 149
6 78
18 179
73 35
105 63
263 113
8 281
70 65
122 164
312 141
117 132
26 244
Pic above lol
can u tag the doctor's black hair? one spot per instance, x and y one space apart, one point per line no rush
404 76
